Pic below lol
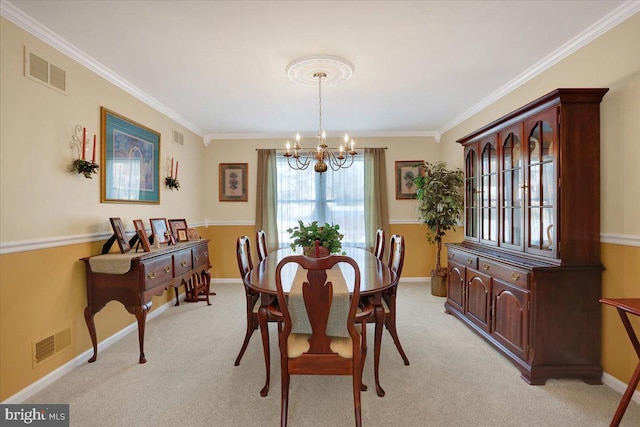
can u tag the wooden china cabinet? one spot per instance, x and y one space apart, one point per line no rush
527 277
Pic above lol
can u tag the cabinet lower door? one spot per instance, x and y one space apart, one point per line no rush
511 318
478 299
455 285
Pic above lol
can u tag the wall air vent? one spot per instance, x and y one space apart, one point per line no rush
51 345
42 71
178 138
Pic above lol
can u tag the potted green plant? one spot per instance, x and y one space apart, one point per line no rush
440 204
328 238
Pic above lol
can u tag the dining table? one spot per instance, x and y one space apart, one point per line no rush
375 278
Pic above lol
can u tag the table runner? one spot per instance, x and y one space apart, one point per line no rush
115 263
340 304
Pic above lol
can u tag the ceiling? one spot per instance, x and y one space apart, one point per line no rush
219 67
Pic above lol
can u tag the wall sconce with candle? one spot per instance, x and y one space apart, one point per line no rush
172 180
81 165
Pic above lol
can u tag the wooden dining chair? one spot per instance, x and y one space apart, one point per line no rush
261 245
378 250
396 261
245 265
316 353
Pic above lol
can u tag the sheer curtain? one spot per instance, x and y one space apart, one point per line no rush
335 197
266 197
376 208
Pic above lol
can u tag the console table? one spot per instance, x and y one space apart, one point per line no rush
133 278
626 306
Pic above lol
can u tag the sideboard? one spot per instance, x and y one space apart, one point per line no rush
133 278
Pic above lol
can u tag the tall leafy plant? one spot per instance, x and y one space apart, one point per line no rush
440 203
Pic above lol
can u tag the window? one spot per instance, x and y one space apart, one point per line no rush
335 197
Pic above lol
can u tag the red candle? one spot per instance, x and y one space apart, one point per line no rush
93 159
84 141
171 167
176 171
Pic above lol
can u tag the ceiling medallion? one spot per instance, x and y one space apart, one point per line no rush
303 70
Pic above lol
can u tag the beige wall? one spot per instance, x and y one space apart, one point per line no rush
42 291
40 198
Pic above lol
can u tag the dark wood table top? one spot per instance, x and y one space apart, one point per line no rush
375 276
630 305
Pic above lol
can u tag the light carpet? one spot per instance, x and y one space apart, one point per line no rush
455 378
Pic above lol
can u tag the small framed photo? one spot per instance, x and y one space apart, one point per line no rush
232 181
142 235
160 229
178 224
406 171
182 235
121 234
193 234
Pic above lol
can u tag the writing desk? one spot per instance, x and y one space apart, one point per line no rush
133 278
626 306
375 278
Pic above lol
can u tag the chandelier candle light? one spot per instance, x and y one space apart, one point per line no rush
307 71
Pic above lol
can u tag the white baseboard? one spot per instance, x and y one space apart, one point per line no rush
619 386
81 359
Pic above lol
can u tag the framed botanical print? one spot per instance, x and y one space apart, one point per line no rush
232 181
130 155
405 172
121 234
159 229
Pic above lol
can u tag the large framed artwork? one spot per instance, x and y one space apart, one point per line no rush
130 160
233 182
406 171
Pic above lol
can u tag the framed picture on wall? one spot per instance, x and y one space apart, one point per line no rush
130 156
405 172
121 234
159 229
232 181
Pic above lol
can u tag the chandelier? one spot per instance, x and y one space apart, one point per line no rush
322 156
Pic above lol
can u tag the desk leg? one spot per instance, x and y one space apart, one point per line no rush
264 331
88 318
379 316
141 315
633 383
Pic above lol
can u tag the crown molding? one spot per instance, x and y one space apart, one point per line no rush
13 14
623 12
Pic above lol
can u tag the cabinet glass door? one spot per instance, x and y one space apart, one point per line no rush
488 192
511 233
541 183
470 194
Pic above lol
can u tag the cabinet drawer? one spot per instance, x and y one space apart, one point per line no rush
157 272
201 256
467 260
182 262
505 273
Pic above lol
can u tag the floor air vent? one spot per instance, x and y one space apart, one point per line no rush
42 71
51 345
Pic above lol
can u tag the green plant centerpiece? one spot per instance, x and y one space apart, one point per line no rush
440 204
305 236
